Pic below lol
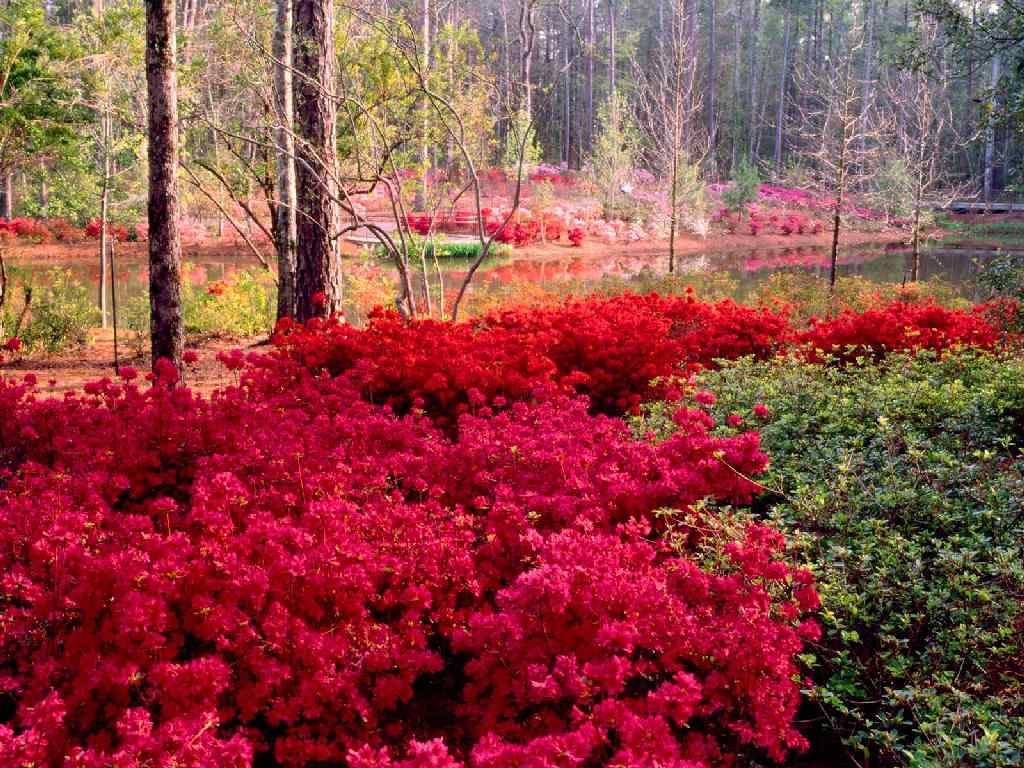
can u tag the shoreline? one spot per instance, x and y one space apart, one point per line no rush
685 245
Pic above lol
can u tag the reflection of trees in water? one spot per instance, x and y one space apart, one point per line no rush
888 264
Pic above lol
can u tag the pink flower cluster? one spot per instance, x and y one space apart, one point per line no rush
288 574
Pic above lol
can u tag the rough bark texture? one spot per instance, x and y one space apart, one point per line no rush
287 221
164 243
318 284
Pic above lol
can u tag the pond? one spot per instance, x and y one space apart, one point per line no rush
748 268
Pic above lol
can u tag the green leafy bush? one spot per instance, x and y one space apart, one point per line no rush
744 188
245 304
58 316
902 487
455 251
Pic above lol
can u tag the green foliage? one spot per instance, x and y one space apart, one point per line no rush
245 304
521 139
744 188
448 251
892 187
902 487
614 160
691 199
59 313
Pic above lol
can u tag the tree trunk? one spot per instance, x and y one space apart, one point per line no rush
104 213
611 48
318 286
567 99
423 195
166 328
990 136
783 77
527 28
284 139
752 74
712 89
590 77
869 60
7 203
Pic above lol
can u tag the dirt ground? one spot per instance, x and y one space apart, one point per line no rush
57 374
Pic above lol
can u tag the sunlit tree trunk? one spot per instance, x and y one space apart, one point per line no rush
166 329
104 211
318 277
286 230
610 6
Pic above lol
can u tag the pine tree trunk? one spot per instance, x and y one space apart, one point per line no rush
611 48
590 76
318 289
104 213
752 74
712 89
284 140
783 77
166 329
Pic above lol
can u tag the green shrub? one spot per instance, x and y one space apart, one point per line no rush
455 251
244 304
59 316
744 189
903 489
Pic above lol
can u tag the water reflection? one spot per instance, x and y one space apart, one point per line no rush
748 268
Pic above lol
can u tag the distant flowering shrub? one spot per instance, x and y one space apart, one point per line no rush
288 574
899 326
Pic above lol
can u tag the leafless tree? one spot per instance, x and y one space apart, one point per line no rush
668 109
922 131
840 138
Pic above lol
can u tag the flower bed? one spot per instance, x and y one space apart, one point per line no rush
287 573
303 570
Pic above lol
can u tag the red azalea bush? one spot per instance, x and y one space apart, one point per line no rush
286 573
31 229
118 231
610 350
899 326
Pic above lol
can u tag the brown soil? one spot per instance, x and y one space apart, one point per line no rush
60 373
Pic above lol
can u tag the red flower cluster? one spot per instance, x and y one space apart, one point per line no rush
899 326
287 573
31 229
610 350
576 236
118 231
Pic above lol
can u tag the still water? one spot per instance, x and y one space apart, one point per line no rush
748 268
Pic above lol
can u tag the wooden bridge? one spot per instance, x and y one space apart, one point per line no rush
964 206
